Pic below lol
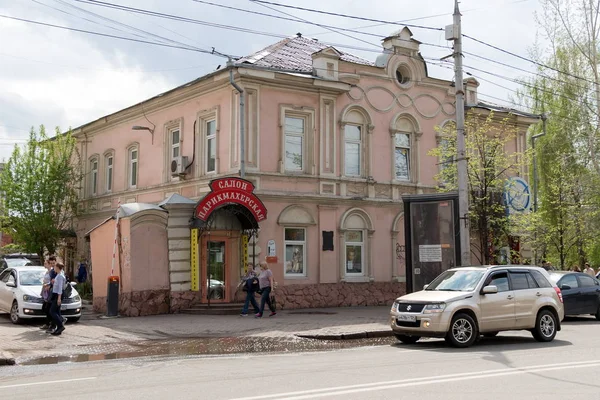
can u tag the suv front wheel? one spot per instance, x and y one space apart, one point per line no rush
545 326
463 331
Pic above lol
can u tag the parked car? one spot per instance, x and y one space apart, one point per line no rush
463 303
31 257
581 292
18 262
20 289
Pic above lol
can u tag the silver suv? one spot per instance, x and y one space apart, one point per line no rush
463 303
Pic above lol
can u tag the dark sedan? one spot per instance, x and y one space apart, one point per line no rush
581 292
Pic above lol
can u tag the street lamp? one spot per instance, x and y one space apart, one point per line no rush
144 128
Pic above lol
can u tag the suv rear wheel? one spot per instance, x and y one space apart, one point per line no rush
545 326
463 331
408 339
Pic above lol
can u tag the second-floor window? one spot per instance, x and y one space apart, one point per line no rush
402 156
94 177
294 143
352 150
211 146
109 159
175 144
132 170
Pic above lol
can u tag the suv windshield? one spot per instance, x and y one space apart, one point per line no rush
457 280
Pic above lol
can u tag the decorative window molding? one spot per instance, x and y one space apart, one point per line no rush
109 170
294 247
355 235
356 127
208 131
296 215
133 166
404 143
94 163
297 140
173 143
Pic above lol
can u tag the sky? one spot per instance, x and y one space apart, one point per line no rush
63 78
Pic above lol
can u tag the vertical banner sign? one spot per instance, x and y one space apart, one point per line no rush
194 259
244 258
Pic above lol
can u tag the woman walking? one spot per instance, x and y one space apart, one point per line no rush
250 283
267 286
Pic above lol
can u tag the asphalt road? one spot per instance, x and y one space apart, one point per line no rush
510 366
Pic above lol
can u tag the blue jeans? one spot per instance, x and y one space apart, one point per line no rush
250 299
266 298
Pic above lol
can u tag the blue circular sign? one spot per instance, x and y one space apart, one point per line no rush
517 195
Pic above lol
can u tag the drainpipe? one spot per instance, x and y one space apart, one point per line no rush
242 121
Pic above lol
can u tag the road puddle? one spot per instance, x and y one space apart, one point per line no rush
209 346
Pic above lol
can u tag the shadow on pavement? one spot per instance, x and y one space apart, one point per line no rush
495 344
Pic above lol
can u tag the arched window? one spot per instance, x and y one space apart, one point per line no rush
356 231
133 156
405 134
356 128
93 190
296 221
109 161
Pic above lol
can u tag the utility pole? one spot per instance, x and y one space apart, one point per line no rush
544 118
454 32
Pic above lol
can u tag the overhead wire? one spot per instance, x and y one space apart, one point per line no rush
345 15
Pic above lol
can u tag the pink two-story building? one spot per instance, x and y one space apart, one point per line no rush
331 144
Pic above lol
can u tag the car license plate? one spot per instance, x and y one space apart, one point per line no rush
63 308
408 318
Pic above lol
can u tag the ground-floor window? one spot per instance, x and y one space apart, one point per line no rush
354 252
295 251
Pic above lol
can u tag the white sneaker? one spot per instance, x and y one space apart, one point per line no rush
243 315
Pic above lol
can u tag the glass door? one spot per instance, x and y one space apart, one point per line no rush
215 271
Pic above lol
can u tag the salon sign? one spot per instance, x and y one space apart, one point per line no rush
231 191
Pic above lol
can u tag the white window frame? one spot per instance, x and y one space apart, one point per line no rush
109 173
303 137
362 245
130 162
177 145
170 127
294 243
94 176
408 159
360 150
207 139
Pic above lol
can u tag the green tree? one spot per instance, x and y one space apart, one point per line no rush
40 184
489 166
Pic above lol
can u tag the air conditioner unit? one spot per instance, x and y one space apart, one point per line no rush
178 165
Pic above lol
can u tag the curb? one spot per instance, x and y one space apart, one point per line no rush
348 336
6 359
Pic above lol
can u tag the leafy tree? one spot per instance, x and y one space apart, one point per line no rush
489 166
40 184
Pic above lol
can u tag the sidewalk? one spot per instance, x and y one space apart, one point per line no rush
95 334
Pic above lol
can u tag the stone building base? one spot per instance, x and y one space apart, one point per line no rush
339 294
182 300
137 304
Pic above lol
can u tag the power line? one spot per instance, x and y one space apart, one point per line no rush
525 59
302 21
345 15
106 35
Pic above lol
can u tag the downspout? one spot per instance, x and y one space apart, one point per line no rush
242 120
194 144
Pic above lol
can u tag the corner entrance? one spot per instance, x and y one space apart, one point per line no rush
225 219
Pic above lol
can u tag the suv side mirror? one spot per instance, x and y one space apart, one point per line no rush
425 287
490 289
11 284
565 287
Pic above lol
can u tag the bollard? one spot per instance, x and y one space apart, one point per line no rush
112 297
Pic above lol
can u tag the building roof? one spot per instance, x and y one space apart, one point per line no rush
176 198
294 54
503 109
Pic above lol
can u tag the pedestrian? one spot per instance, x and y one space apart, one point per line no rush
250 282
47 294
267 287
82 271
57 291
589 270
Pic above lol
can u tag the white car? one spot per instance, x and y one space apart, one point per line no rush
20 289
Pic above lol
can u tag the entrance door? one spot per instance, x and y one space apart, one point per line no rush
214 272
